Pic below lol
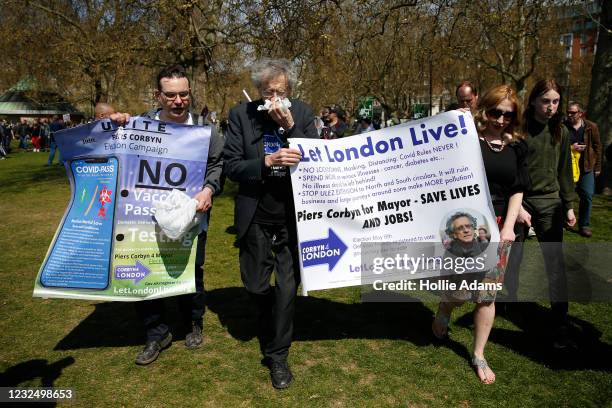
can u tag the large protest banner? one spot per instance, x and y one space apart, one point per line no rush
400 184
108 245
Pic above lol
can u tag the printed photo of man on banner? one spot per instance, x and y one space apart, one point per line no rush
389 195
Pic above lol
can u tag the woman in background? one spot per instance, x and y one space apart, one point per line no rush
548 203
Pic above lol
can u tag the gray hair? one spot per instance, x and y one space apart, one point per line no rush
267 68
576 103
454 217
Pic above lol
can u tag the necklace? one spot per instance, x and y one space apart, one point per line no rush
494 147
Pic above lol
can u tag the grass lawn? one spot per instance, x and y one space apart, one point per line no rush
345 353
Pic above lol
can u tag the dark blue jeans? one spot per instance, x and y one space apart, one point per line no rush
585 187
52 150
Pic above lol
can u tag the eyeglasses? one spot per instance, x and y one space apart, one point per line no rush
572 113
172 95
465 227
496 113
268 93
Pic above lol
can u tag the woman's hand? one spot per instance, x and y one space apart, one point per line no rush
507 235
570 218
524 217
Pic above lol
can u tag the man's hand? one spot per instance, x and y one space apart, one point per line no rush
121 118
570 218
578 147
283 157
524 217
281 115
204 198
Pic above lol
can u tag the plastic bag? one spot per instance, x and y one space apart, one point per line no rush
176 215
576 165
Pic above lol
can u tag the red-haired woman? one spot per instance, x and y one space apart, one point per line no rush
503 150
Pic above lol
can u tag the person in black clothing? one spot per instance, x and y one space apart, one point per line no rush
256 155
337 122
504 155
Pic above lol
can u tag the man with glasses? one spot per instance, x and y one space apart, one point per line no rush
584 139
257 156
174 96
461 228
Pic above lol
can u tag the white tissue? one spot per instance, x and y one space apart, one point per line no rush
286 103
176 215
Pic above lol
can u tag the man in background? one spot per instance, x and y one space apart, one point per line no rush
584 139
54 127
467 96
103 110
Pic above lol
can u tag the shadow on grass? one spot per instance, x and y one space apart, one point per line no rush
535 337
29 175
316 319
111 324
324 319
31 369
24 372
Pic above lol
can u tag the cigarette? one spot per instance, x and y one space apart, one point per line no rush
247 95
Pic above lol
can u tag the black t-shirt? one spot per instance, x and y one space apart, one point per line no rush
276 204
507 173
575 135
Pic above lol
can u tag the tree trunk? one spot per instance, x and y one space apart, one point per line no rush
98 88
600 100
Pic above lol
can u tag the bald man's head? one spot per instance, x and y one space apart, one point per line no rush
103 110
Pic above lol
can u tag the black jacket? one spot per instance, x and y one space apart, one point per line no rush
244 153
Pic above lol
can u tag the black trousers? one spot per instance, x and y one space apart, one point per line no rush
548 219
191 306
263 249
511 278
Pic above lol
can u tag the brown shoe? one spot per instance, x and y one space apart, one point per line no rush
586 232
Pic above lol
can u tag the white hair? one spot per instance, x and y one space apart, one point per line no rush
267 68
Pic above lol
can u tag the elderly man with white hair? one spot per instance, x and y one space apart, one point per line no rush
257 156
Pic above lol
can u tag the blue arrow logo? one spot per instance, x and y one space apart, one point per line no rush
323 251
128 272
